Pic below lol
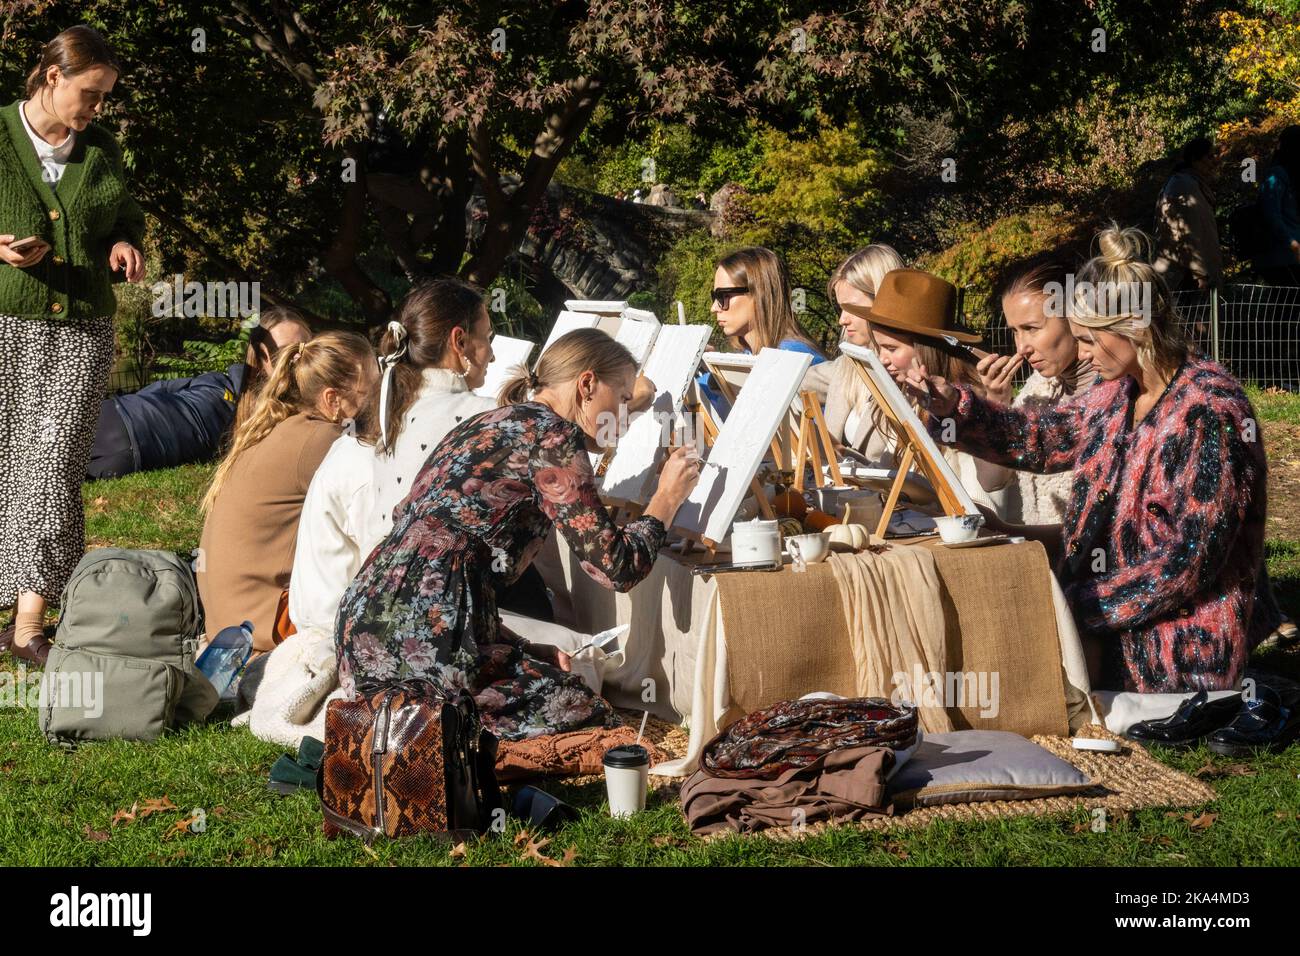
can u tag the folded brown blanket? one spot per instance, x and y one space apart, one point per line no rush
573 753
844 784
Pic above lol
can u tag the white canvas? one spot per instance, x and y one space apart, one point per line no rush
565 323
671 366
742 441
601 306
507 355
903 410
637 337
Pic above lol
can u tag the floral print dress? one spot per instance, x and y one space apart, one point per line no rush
423 604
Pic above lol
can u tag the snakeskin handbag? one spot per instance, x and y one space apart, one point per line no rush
407 758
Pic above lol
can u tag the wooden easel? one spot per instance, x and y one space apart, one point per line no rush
814 441
913 454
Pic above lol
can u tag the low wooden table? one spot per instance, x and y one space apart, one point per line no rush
699 655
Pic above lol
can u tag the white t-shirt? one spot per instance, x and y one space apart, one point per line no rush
53 159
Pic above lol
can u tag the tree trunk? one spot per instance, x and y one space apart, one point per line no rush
341 258
506 226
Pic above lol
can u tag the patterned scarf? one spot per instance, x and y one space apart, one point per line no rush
796 733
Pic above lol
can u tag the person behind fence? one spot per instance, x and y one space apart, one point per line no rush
68 229
253 504
178 421
753 305
1031 293
849 404
1187 250
1164 535
905 324
424 604
1278 257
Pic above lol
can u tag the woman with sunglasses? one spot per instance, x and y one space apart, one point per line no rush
751 301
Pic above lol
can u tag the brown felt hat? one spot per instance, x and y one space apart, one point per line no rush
910 300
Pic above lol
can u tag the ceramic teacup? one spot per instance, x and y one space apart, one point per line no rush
954 530
809 548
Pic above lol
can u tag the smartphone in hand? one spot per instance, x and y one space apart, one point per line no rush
26 245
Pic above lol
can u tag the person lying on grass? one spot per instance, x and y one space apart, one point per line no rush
1164 536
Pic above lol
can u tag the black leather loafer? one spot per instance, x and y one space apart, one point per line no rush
1196 717
1263 723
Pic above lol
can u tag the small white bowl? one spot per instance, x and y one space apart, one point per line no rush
955 530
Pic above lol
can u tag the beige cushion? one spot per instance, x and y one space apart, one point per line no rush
967 766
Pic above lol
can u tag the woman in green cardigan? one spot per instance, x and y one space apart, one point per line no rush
67 224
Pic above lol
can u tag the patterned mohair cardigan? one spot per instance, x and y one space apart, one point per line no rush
1163 540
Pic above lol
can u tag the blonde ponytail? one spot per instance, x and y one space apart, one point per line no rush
582 350
300 374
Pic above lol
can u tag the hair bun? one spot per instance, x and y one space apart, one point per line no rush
1119 246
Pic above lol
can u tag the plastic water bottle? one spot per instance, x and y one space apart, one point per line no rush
225 657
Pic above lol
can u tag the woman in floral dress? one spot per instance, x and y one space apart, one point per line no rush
423 604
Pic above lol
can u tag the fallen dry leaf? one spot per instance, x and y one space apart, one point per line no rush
1161 840
1287 815
534 847
459 851
94 836
897 849
125 816
1194 821
180 826
1210 771
156 806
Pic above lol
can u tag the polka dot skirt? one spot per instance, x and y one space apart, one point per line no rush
51 386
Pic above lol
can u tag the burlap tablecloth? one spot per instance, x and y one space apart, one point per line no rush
787 635
705 650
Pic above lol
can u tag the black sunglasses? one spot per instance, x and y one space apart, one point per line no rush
724 296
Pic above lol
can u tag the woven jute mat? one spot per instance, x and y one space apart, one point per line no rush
1129 780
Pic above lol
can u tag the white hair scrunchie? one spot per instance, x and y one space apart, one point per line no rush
398 332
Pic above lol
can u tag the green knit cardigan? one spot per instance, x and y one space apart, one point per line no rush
82 219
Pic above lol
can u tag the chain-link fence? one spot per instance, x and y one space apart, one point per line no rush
1253 330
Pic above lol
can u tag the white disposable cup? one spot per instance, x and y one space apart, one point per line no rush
627 772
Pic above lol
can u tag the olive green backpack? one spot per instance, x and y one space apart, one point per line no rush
122 665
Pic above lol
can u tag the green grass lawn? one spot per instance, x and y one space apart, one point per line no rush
59 808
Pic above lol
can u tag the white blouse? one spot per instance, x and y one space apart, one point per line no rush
349 504
328 555
443 403
53 159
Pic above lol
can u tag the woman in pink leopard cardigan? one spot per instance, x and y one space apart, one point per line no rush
1164 537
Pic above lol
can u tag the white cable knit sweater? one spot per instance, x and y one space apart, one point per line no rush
1033 499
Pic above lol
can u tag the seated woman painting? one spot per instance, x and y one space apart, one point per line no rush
254 502
1164 535
1032 297
424 602
752 305
848 402
905 326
